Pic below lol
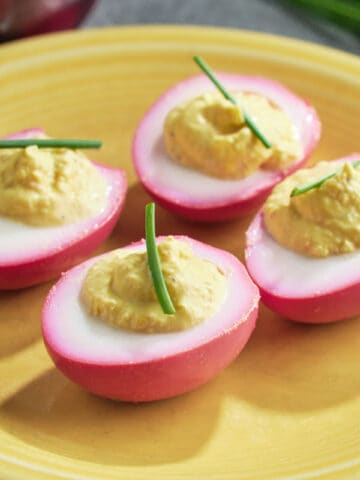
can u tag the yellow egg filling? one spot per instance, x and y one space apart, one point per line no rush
118 289
208 133
323 221
49 186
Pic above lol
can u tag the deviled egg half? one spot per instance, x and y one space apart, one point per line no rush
303 247
196 155
56 207
105 329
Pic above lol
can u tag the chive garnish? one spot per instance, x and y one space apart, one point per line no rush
50 143
311 186
207 70
154 262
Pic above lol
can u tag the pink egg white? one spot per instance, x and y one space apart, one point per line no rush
195 195
30 255
141 367
304 289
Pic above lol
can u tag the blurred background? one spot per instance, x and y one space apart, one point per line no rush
335 23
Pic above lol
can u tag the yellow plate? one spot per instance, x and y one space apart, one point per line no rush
289 406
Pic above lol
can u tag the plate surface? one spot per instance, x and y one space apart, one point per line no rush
289 406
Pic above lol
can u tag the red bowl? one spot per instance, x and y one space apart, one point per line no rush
33 17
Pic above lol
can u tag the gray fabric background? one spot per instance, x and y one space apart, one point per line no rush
273 16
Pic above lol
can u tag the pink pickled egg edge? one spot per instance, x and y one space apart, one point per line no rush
146 137
160 376
338 302
41 265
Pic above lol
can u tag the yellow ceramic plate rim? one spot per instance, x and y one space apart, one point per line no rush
19 462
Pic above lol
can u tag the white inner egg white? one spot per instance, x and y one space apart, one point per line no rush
187 182
20 242
187 186
284 272
73 333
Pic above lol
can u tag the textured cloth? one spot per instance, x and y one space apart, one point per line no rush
272 16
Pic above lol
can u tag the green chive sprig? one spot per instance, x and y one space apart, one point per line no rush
154 262
345 13
207 70
317 183
50 143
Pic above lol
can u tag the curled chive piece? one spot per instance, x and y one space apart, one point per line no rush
311 186
50 143
207 70
154 261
